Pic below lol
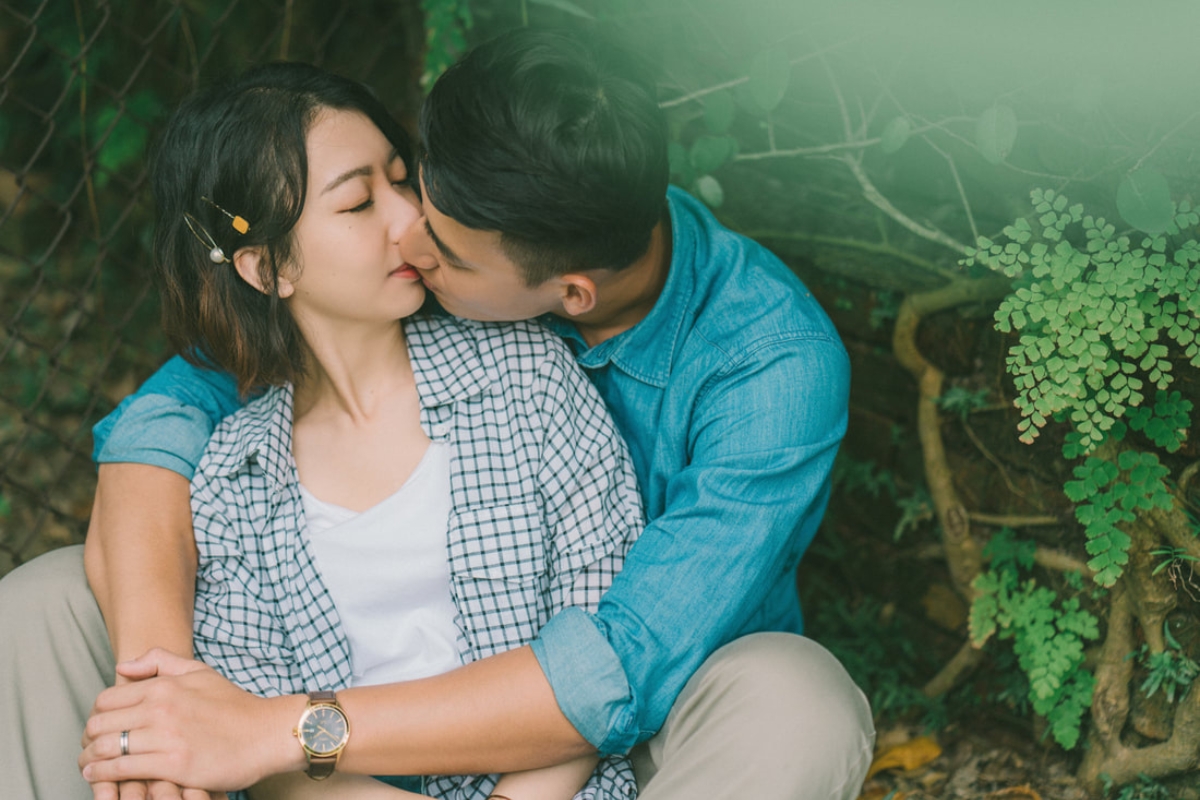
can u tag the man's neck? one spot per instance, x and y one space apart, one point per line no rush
626 296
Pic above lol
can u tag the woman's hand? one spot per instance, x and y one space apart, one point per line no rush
188 725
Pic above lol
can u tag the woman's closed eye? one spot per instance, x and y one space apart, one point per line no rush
407 184
363 206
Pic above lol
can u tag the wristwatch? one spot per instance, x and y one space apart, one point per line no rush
323 731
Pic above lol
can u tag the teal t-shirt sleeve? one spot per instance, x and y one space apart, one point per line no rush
167 422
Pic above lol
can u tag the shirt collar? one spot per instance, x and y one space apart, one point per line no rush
446 363
263 434
647 350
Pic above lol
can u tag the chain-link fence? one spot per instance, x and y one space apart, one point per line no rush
83 86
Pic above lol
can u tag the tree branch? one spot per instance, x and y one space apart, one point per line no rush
1014 520
964 661
883 204
876 248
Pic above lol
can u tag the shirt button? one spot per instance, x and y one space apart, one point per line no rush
441 429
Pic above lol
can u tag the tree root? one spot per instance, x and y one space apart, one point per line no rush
1107 754
1061 562
1014 520
962 552
1146 599
962 664
1110 697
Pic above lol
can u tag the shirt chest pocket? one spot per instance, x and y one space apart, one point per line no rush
498 575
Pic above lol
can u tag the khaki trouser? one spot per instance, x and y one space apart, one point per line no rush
768 716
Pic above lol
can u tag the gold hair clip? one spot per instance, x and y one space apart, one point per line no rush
216 254
239 223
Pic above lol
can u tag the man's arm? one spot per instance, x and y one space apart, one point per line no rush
139 554
140 559
198 729
720 558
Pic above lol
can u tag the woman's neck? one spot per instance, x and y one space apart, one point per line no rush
353 370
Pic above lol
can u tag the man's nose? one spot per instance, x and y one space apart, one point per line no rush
416 247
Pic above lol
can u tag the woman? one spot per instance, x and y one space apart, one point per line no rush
405 497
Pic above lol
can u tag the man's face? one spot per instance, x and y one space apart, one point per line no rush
469 272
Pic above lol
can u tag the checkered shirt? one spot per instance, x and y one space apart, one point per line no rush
544 507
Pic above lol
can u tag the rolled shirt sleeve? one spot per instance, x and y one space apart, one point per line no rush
708 569
168 421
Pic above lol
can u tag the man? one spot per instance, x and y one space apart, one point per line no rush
545 186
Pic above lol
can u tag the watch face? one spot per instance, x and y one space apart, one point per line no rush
323 729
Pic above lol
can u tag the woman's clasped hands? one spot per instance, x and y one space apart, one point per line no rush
184 723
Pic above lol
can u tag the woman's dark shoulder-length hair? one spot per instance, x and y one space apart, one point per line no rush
239 146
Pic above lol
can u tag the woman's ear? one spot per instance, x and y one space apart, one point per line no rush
248 261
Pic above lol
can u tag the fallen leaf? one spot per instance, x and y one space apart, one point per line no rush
1024 790
932 779
891 737
908 756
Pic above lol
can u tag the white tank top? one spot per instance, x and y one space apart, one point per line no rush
387 572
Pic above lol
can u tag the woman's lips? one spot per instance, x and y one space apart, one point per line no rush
405 271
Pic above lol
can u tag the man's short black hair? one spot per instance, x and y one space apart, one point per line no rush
554 140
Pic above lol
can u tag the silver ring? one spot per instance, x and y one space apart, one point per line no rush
124 743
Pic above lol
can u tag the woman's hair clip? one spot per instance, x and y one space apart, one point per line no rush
216 254
239 223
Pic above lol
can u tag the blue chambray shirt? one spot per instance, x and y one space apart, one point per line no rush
732 394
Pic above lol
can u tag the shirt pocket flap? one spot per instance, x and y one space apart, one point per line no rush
499 543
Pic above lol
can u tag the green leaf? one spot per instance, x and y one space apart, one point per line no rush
770 74
996 132
719 111
710 191
1144 201
895 134
710 152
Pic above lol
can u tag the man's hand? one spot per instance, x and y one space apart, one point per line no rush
187 725
152 790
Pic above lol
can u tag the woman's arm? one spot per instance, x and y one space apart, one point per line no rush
298 786
559 782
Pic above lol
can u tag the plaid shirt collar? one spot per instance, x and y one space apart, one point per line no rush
268 439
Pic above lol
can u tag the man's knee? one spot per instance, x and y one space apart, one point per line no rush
791 675
54 661
791 706
46 604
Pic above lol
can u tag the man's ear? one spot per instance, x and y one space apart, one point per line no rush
579 294
248 261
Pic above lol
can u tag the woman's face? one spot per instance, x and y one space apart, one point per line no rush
359 202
